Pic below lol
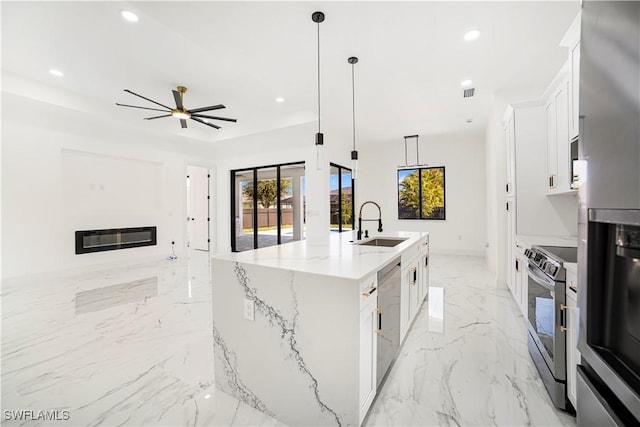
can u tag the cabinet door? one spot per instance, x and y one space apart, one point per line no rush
405 302
575 91
572 345
517 280
561 99
521 283
552 146
510 242
414 290
509 138
368 356
424 279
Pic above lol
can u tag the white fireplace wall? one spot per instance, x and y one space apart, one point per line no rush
64 171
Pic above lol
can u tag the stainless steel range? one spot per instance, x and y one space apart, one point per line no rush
547 316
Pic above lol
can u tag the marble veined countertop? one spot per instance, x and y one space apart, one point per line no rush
334 255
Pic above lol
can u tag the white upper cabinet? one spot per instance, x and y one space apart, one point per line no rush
571 41
509 138
552 142
557 98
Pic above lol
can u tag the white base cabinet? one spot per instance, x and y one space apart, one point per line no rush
368 349
573 355
414 284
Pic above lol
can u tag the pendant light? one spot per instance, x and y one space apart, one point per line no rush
318 17
354 153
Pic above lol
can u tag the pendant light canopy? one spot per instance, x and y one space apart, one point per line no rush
354 153
318 17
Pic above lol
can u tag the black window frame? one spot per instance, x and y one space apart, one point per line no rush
444 190
232 176
353 198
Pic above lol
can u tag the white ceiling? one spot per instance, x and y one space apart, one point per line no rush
245 54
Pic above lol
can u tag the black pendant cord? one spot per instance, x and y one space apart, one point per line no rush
353 102
318 77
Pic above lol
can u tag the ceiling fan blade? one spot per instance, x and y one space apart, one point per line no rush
205 123
204 116
183 123
142 108
176 96
201 109
150 100
157 117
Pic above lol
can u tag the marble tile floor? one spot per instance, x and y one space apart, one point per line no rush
133 346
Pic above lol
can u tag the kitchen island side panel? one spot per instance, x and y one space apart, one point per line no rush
298 360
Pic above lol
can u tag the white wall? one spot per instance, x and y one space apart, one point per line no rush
463 156
64 171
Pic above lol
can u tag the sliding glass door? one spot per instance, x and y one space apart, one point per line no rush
267 206
341 198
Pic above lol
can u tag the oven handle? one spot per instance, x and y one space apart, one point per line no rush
545 283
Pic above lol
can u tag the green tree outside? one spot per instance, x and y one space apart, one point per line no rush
432 191
347 209
268 191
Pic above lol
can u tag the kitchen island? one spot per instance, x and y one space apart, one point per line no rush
296 327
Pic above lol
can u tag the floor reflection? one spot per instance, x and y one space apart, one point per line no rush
436 309
111 296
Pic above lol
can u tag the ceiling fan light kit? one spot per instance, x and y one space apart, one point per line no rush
180 112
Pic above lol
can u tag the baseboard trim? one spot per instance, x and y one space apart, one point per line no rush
460 252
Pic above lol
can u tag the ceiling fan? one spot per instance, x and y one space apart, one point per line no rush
180 112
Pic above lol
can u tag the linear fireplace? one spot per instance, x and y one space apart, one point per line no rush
112 239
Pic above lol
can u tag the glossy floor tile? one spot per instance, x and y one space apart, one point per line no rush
465 360
133 346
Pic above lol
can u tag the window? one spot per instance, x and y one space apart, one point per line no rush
421 193
341 198
267 206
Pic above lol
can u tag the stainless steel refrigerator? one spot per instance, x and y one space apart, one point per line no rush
608 383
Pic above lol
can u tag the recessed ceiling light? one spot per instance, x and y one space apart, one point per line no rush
466 83
471 35
279 99
56 73
129 16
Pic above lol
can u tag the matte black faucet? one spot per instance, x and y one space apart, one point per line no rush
360 219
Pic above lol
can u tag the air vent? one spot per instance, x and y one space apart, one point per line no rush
468 93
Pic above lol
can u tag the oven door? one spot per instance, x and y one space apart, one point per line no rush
545 306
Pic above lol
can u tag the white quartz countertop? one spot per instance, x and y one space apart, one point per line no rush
334 255
530 240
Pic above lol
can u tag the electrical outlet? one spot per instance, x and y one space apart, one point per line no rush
249 309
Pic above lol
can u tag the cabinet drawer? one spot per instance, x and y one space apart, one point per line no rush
409 255
368 291
424 247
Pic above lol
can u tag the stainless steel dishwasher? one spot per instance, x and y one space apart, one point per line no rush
388 316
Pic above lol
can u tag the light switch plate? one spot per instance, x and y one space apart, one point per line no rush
249 309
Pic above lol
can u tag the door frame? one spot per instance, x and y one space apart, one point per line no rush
211 185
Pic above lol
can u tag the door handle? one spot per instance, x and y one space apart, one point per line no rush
563 327
371 291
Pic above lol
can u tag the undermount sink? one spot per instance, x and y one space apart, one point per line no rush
387 242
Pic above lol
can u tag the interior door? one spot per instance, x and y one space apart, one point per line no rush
198 207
